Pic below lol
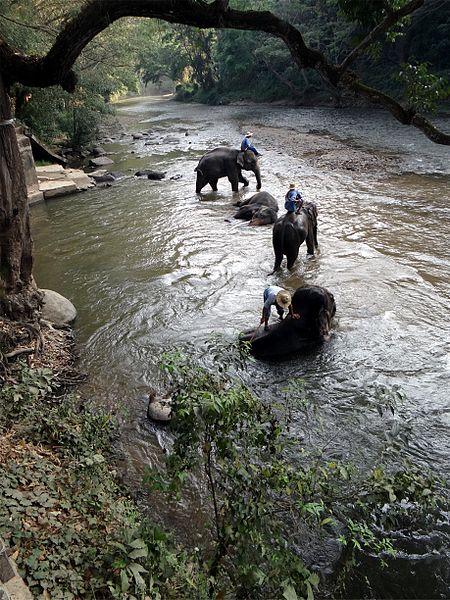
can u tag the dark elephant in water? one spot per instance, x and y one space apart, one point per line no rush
290 231
226 162
260 209
316 308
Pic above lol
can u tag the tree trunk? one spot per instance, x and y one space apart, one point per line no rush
19 298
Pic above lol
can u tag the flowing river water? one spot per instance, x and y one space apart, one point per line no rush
150 266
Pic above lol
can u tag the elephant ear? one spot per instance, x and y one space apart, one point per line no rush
240 159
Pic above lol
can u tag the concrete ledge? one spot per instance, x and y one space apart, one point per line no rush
50 171
58 187
55 181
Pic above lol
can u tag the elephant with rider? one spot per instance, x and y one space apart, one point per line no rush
290 231
226 162
313 308
260 209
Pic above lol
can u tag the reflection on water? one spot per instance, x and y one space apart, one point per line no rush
149 267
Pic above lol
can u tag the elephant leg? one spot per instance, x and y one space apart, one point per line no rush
278 260
201 182
291 258
242 179
316 243
310 242
234 180
213 184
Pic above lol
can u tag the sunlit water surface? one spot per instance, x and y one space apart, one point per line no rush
151 267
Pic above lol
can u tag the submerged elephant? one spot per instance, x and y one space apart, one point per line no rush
316 308
290 231
226 162
260 209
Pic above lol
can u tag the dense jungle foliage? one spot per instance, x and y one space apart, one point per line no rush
77 534
411 62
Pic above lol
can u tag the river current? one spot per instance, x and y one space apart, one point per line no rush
150 267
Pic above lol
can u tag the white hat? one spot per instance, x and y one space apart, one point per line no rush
249 134
284 299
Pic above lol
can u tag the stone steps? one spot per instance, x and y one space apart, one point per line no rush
56 181
49 181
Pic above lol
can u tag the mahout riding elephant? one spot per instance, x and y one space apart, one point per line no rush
290 231
226 162
316 308
260 209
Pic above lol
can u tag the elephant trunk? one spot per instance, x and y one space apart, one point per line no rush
257 173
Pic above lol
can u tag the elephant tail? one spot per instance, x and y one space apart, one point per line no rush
198 170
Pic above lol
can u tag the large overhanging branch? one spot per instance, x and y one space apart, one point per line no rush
392 17
96 15
406 116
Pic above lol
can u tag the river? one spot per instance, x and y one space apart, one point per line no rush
149 267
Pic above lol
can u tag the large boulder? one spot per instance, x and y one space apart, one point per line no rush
57 309
101 161
137 136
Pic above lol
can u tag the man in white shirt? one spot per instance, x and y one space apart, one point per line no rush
281 299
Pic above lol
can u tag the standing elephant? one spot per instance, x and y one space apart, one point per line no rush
290 231
226 162
260 209
316 307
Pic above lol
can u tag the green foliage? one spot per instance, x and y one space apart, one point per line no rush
77 535
423 90
216 67
235 445
260 504
360 537
178 52
105 69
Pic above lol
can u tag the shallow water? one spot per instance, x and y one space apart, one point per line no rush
150 267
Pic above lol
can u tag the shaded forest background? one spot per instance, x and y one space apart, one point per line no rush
218 67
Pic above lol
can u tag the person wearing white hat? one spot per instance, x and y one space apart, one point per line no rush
281 299
293 200
247 144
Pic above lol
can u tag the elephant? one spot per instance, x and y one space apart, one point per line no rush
226 162
316 307
290 231
260 209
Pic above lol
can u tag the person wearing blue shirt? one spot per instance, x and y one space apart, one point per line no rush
281 299
247 145
293 200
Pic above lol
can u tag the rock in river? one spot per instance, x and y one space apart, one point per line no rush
150 174
57 309
159 408
98 151
101 161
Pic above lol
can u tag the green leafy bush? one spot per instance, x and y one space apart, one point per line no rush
75 531
423 90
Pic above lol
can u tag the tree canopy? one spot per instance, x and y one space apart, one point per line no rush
339 41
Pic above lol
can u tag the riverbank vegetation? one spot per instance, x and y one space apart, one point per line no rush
410 61
75 532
